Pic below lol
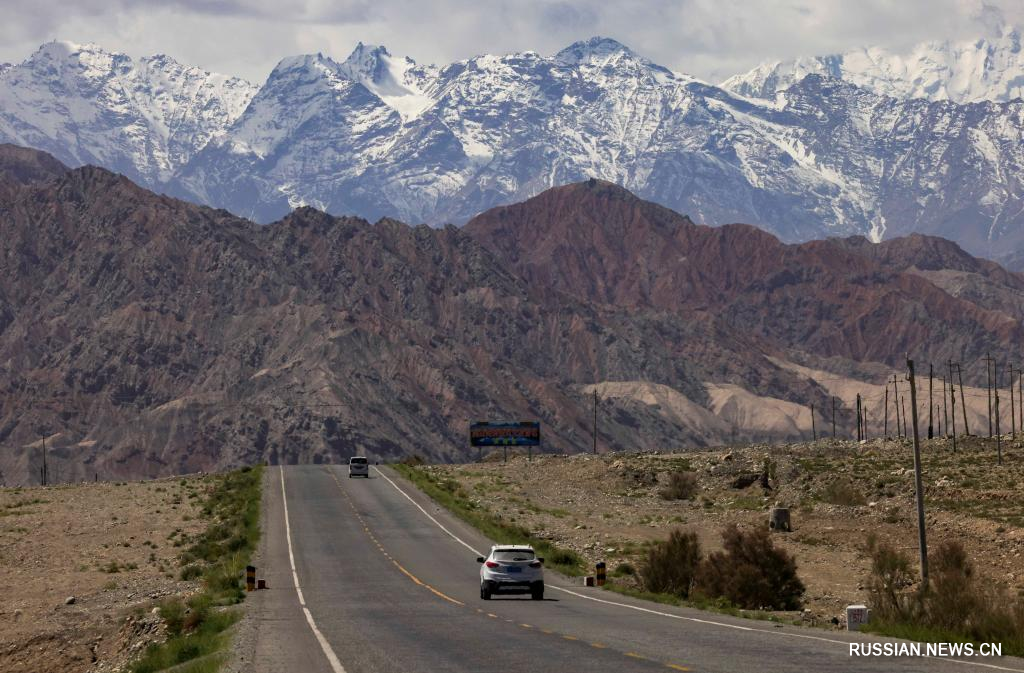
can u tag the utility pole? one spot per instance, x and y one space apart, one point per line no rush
833 417
930 433
999 435
46 472
859 437
952 407
864 415
988 389
1013 408
963 405
945 408
896 403
814 429
922 537
885 426
595 421
903 403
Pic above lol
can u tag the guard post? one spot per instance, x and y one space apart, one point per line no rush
600 574
250 578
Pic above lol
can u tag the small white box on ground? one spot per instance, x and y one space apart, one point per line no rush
857 616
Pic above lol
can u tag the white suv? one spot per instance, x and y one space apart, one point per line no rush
512 568
358 467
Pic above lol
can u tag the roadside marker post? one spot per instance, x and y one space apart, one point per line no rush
250 578
600 574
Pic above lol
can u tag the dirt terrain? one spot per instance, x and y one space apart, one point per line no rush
608 507
113 547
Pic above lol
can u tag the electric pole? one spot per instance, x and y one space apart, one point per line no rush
903 403
922 537
859 437
833 417
963 405
885 406
896 403
814 429
1013 408
999 435
945 408
930 433
988 389
595 421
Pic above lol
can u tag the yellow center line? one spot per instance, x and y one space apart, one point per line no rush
677 667
492 616
635 655
526 626
570 637
547 631
599 646
381 547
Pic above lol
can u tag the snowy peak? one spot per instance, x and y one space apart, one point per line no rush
595 51
964 72
390 78
144 118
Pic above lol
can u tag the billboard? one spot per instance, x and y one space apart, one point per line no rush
523 433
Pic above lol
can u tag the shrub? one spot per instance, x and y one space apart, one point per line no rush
842 493
891 575
624 569
173 614
957 605
670 566
751 573
681 486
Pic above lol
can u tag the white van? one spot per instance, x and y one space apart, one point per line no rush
358 467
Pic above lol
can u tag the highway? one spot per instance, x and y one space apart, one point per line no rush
370 576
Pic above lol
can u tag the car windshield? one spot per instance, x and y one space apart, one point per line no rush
513 555
358 461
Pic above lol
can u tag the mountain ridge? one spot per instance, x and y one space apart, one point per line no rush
147 336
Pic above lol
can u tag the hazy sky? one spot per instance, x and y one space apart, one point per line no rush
707 38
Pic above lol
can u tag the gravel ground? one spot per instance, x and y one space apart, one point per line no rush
83 566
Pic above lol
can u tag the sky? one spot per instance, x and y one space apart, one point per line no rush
710 39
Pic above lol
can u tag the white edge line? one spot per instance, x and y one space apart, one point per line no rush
670 615
332 658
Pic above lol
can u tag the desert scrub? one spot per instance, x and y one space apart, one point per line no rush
750 573
197 628
957 606
449 494
681 486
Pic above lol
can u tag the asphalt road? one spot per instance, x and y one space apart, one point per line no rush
386 581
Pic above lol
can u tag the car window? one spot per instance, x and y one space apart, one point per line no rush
358 461
514 555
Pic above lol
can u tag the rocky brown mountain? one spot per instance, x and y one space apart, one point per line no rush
143 335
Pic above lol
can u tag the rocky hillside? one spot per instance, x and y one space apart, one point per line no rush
142 335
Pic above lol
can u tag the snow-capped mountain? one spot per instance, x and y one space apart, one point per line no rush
377 135
144 118
965 72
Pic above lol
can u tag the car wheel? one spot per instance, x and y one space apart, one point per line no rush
537 592
485 592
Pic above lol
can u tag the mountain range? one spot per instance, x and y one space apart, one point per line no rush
970 71
378 135
142 335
